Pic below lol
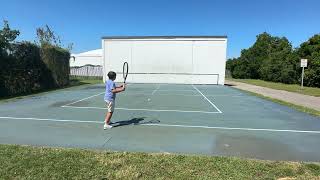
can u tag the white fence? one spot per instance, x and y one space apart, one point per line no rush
87 70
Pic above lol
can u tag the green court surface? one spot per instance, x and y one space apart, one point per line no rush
191 119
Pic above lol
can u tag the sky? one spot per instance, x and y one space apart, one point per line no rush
83 23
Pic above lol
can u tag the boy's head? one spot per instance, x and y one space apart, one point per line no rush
112 75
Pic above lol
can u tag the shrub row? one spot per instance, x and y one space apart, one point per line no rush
26 67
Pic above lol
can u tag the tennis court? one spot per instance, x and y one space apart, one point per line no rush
192 119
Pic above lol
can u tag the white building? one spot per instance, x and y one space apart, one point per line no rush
167 59
87 63
93 57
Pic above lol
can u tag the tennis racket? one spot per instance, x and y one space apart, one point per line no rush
125 71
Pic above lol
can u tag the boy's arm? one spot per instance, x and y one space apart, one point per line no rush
118 89
123 85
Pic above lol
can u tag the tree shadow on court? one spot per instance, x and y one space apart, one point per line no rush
133 121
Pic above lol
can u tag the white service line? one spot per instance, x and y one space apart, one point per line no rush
154 91
177 90
82 99
207 99
128 94
218 95
189 95
169 125
151 110
229 128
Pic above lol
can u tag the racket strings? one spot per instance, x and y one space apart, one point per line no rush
125 70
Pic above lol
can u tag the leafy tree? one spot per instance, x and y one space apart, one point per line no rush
26 68
249 63
311 51
279 65
7 36
48 37
270 58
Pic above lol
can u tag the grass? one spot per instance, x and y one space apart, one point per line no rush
280 86
26 162
78 81
294 106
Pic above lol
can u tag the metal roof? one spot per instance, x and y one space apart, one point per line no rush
96 52
159 37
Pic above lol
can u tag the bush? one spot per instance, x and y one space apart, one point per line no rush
24 71
57 60
27 68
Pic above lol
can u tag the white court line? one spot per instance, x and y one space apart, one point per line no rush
217 95
154 91
206 98
229 128
151 110
170 125
176 90
83 99
53 120
159 94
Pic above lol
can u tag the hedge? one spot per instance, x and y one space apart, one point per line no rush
29 68
57 60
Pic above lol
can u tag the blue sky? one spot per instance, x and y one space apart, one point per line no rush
85 22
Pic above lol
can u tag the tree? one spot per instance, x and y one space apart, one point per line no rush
48 37
311 51
7 36
270 58
280 64
249 63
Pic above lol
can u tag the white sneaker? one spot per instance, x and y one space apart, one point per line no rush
107 126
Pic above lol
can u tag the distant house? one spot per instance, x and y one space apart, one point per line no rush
87 63
93 57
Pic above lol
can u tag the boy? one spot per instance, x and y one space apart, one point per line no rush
110 97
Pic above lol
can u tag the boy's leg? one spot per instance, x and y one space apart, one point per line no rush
110 109
108 117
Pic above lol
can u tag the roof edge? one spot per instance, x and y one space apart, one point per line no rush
160 37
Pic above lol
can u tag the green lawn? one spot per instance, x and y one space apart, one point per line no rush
287 87
76 81
26 162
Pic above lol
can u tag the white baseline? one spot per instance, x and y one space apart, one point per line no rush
167 125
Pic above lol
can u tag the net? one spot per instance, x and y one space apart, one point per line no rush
173 78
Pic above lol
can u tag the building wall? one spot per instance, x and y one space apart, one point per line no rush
177 60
